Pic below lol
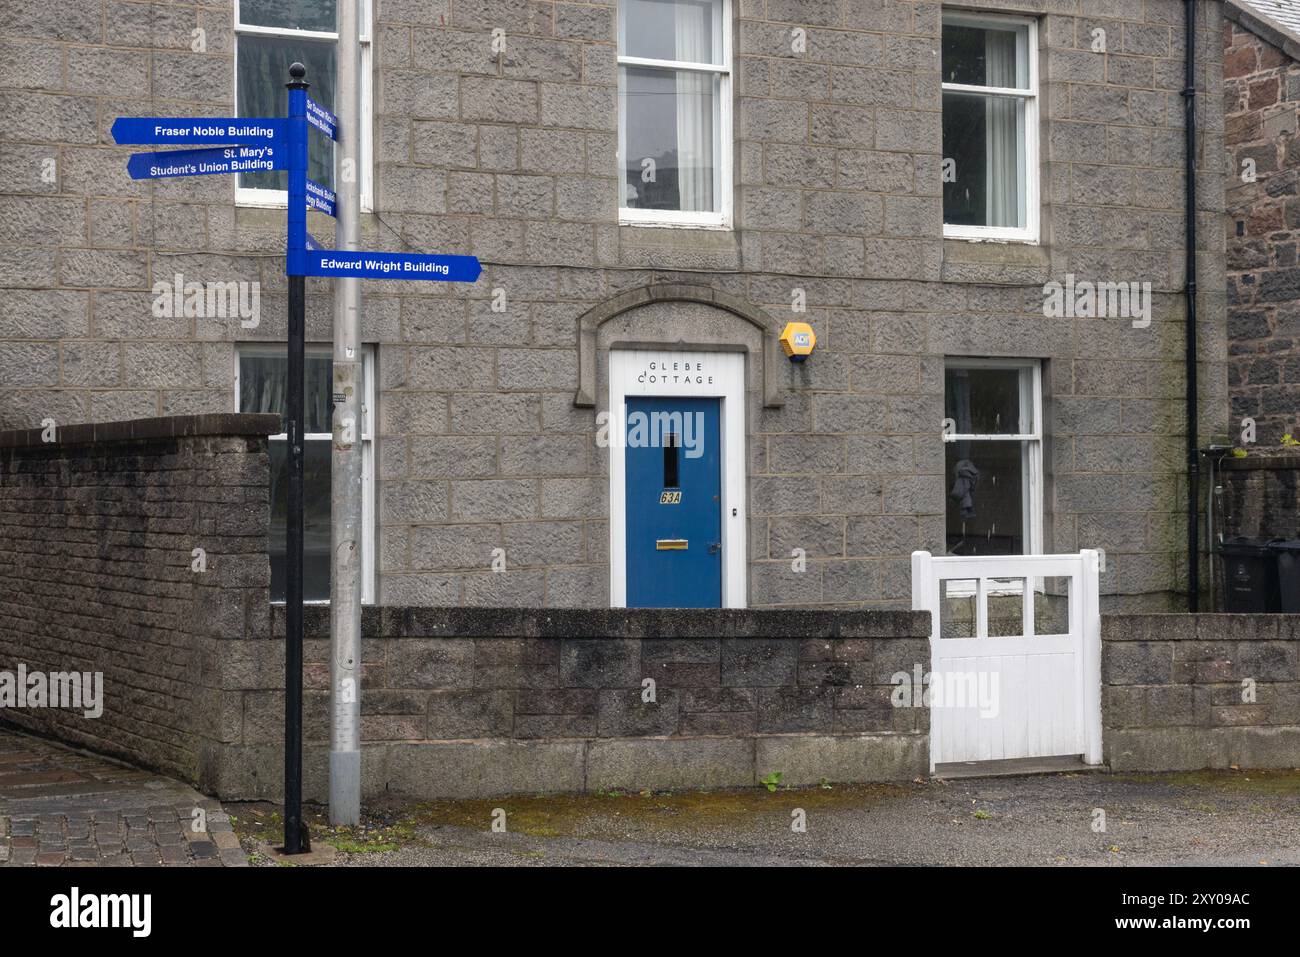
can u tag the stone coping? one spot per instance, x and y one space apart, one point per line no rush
666 623
1269 458
1183 626
164 427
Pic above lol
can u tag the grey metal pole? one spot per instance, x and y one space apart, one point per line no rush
345 458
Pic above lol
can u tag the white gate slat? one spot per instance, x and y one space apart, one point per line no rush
1007 716
1038 730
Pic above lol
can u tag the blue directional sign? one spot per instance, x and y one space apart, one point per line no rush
178 131
304 256
322 119
318 197
392 266
220 159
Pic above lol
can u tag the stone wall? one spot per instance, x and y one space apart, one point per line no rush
476 702
513 158
1261 494
1261 99
1177 691
98 528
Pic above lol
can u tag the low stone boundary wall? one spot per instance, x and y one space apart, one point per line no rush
1185 692
99 526
474 702
99 577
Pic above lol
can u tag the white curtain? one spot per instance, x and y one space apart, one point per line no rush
1002 131
694 108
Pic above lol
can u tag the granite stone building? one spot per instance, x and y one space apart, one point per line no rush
978 210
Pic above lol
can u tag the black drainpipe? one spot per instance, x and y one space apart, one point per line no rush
1193 455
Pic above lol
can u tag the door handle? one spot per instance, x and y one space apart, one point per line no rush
670 544
715 548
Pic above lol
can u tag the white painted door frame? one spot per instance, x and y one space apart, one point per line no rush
642 373
1049 685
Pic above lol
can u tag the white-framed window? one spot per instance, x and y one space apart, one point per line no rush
269 36
261 380
674 112
993 456
990 127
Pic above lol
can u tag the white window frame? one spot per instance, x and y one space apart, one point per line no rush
367 434
1031 463
279 198
722 217
1030 232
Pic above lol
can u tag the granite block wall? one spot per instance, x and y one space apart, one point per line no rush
512 157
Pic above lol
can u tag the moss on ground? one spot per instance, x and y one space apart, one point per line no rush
1280 783
569 814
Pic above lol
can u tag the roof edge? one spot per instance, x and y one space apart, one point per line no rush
1264 27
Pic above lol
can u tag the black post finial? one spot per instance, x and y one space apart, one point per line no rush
297 71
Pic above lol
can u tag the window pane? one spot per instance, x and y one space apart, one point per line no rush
670 122
263 378
986 56
263 70
318 15
683 30
984 138
984 401
985 510
316 519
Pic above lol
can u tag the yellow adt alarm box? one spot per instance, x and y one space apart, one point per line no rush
798 339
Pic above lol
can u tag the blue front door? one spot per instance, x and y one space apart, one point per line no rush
674 503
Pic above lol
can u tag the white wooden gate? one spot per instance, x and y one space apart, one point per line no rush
1015 645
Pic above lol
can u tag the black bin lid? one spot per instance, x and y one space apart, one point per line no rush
1247 547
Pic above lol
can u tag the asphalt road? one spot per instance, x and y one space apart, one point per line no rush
1206 818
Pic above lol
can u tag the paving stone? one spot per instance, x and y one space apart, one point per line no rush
62 808
173 853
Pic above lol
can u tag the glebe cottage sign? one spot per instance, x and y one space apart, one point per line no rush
682 372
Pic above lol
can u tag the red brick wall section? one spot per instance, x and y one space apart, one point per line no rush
97 535
1261 97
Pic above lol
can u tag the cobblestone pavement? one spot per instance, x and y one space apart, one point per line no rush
64 808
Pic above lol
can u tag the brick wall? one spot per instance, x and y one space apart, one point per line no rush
1174 695
1261 99
97 532
474 702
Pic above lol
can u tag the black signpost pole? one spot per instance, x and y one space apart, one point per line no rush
281 143
296 840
